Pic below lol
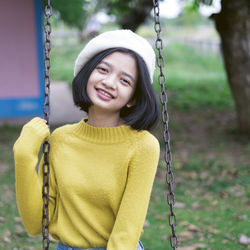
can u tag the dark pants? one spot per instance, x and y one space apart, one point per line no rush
61 246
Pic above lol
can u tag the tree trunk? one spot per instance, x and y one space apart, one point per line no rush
137 15
233 26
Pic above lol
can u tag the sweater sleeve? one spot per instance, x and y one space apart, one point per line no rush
28 181
133 208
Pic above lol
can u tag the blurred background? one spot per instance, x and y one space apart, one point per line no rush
207 67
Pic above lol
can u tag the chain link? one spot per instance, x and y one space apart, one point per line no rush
46 111
165 119
45 191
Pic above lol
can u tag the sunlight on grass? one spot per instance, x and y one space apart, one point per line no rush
194 80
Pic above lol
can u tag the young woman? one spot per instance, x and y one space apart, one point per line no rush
102 168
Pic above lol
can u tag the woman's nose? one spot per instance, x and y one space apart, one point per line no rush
109 82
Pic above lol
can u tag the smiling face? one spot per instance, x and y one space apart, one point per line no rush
112 83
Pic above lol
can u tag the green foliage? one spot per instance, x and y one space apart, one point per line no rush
120 8
71 12
193 5
189 18
75 13
117 7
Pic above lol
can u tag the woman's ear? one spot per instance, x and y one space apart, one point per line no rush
131 104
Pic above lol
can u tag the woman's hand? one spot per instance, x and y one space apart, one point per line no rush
31 138
39 127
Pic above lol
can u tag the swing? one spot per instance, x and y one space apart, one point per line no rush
165 119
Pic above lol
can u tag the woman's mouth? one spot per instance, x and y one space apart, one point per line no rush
104 95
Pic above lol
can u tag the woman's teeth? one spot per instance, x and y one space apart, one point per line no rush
104 93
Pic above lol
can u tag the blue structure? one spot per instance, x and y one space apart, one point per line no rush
12 105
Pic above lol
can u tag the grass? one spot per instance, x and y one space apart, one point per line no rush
212 202
62 59
12 232
194 80
203 200
211 165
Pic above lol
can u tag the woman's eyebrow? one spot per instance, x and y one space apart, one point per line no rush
124 73
108 64
128 75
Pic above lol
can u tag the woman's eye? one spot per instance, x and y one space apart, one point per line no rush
125 81
102 69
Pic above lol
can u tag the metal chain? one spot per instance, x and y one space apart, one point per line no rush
46 111
165 119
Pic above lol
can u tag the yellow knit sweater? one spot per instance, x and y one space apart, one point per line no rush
100 183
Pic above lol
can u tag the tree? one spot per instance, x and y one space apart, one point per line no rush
130 14
233 26
71 12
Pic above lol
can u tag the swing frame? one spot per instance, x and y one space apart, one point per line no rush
165 119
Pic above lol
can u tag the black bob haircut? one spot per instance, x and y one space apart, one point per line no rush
144 114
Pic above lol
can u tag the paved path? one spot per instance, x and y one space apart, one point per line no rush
62 107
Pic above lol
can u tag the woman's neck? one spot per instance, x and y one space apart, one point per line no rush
104 120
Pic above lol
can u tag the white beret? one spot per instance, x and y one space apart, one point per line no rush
117 38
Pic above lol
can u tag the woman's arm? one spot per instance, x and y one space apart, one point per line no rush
133 208
28 182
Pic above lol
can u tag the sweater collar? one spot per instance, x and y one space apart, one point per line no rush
103 135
